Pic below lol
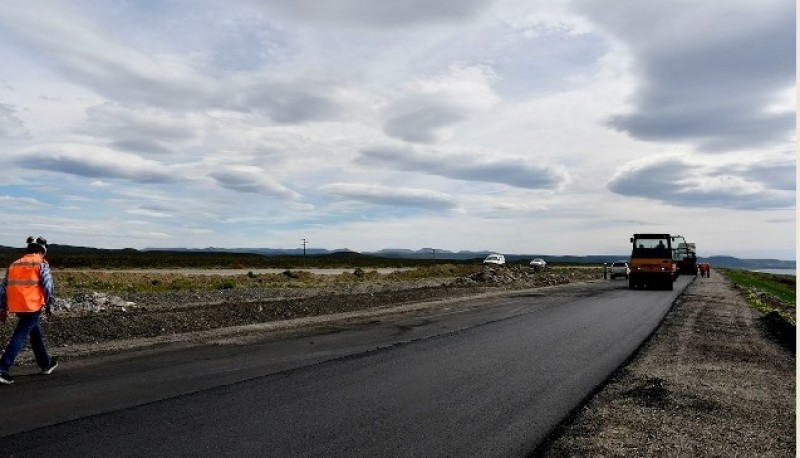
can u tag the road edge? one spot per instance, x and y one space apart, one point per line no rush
561 428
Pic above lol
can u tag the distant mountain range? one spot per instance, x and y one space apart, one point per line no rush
423 253
429 253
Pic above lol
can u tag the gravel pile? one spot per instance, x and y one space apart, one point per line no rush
94 302
521 277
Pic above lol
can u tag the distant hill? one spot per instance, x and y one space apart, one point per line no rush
75 256
736 263
465 255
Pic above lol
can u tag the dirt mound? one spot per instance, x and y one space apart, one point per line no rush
523 277
784 332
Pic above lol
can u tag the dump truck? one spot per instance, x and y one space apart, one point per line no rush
653 263
687 264
685 256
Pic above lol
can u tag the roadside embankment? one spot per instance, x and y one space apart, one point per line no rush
710 382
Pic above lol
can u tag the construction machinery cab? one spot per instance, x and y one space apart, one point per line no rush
651 246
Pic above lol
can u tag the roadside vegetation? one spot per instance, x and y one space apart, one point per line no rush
133 259
767 292
68 257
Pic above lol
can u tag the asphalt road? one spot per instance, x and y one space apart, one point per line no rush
491 380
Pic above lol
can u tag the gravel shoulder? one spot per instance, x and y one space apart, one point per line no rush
709 383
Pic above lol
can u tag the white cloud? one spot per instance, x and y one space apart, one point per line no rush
424 109
150 235
21 203
251 179
149 213
452 124
115 121
82 54
392 196
377 14
294 101
93 162
512 171
709 83
784 101
684 182
10 125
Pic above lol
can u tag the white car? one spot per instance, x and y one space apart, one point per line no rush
495 258
620 269
538 263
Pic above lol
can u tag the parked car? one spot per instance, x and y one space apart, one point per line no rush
620 269
538 263
495 258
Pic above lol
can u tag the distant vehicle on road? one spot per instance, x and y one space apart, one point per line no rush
538 263
620 269
495 258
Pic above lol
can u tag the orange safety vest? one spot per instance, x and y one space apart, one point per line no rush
23 291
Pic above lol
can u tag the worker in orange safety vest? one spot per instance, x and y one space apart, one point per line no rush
26 290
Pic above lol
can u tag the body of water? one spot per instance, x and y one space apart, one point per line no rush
777 271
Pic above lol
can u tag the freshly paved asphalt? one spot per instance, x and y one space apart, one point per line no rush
492 380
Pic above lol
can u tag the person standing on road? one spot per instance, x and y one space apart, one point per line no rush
27 289
704 267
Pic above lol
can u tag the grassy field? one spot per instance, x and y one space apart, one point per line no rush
782 287
65 257
132 259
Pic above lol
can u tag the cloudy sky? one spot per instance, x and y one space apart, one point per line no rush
547 127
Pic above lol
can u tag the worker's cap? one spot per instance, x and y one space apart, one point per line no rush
39 241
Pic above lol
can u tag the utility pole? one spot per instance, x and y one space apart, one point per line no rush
433 250
304 247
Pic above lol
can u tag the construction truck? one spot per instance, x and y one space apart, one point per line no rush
687 265
693 250
685 256
653 262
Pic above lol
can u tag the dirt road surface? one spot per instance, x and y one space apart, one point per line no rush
709 383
